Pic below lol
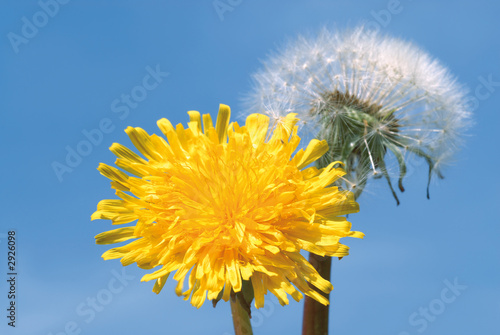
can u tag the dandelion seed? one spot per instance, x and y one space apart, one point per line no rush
226 206
369 96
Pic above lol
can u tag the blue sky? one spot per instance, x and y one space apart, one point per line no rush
72 74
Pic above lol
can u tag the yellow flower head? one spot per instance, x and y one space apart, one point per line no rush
226 204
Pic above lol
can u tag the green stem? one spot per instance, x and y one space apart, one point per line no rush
241 317
315 320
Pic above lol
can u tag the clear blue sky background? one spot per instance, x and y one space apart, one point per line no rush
63 80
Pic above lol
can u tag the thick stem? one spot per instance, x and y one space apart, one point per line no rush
315 320
241 317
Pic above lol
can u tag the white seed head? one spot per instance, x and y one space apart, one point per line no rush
382 94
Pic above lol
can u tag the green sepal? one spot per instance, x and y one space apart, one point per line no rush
216 300
429 160
246 296
386 175
401 161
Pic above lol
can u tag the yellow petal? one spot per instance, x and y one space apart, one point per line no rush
195 117
142 142
165 126
115 236
125 153
257 126
157 274
222 122
207 123
160 282
314 150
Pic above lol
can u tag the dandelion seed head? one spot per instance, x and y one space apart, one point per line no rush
368 95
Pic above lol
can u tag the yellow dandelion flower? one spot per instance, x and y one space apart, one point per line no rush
220 205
